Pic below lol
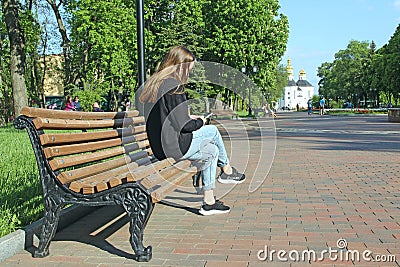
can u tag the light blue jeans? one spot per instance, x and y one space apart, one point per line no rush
207 146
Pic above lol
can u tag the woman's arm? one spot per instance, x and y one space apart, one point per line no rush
179 113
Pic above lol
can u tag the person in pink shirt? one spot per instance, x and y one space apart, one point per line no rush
69 105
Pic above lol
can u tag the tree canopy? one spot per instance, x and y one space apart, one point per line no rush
363 75
97 42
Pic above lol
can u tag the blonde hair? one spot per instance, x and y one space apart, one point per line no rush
175 64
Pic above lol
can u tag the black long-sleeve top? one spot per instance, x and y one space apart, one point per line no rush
168 125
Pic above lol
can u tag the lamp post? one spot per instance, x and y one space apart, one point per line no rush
140 52
244 70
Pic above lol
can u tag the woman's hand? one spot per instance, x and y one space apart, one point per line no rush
204 119
196 117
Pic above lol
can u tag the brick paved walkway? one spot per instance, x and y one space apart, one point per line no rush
332 178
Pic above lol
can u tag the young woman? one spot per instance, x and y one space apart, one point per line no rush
172 132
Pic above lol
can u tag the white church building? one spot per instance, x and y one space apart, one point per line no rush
296 93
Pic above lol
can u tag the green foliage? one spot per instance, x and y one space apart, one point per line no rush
246 33
360 73
344 76
233 32
20 192
90 95
6 101
280 83
387 69
104 44
315 101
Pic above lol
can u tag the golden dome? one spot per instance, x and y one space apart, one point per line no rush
289 68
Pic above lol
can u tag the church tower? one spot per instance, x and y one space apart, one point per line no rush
296 93
302 75
289 70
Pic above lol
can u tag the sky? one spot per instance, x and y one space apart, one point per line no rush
320 28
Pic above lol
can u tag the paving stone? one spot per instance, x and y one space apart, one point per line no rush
322 186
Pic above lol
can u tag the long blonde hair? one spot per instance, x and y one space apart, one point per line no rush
176 64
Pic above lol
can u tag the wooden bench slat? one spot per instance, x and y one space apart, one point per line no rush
66 138
156 178
73 175
57 124
102 181
76 174
168 186
65 162
98 182
78 115
76 187
64 150
57 151
135 146
139 174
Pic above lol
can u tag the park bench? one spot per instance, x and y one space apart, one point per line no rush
95 159
224 113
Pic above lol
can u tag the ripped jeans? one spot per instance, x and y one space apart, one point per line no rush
207 146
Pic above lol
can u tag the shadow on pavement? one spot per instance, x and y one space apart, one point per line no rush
95 231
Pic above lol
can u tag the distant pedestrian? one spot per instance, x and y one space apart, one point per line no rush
69 105
309 106
322 106
267 110
127 103
77 104
96 107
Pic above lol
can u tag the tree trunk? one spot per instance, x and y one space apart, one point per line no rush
17 55
65 44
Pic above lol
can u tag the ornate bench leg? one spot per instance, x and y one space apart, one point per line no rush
49 226
139 207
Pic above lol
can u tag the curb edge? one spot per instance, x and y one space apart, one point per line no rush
22 239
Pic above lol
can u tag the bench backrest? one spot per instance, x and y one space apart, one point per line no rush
88 144
89 152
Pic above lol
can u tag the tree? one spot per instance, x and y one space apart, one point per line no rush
17 54
344 76
33 69
68 78
171 23
104 47
246 33
6 102
280 83
98 41
387 69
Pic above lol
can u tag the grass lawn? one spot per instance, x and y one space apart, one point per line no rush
20 190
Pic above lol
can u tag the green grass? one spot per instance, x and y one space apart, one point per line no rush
244 114
20 190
